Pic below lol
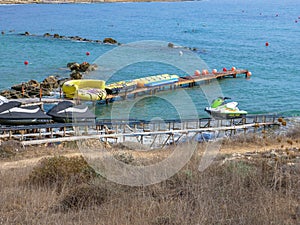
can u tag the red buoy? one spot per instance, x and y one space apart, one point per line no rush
224 69
87 53
267 44
197 73
214 71
233 68
26 62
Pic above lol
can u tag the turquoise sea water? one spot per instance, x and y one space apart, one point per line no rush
226 33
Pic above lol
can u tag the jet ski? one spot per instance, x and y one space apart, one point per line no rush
68 112
12 113
220 108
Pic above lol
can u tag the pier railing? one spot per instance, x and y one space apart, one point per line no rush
143 131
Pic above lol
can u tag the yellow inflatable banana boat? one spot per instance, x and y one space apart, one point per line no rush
126 85
88 90
157 80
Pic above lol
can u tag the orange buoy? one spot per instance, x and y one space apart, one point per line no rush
87 53
197 73
26 62
224 69
233 68
249 74
267 44
204 72
214 71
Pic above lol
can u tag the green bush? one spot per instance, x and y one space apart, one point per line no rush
61 170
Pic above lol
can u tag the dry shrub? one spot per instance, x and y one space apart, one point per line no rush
83 196
124 157
61 170
294 132
245 139
257 190
9 149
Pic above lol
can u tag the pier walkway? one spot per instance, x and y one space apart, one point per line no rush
183 82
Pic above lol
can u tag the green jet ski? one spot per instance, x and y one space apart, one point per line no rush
220 108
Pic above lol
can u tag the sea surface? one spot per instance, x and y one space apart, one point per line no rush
224 33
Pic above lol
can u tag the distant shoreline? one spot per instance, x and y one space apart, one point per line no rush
77 1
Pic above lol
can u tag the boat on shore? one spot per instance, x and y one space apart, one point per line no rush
12 113
220 108
68 112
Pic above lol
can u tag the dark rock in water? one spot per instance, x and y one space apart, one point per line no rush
170 45
84 67
32 88
70 64
92 67
87 40
98 41
47 35
76 75
109 41
74 66
56 36
76 38
15 95
18 87
5 93
33 83
50 83
2 32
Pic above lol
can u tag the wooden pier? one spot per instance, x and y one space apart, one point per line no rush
154 134
183 82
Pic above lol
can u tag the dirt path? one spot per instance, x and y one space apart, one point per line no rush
29 162
32 156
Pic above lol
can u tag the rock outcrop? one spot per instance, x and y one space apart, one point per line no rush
32 88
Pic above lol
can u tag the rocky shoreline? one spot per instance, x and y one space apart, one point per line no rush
34 89
107 40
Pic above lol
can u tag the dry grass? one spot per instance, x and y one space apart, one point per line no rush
263 190
260 187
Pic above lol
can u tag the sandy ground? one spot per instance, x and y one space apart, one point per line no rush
30 156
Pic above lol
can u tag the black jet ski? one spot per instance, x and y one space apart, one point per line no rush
68 112
12 113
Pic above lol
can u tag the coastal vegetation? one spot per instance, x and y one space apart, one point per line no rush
257 182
